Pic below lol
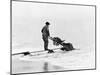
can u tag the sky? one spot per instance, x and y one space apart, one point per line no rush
75 24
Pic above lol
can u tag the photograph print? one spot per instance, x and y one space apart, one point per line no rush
52 37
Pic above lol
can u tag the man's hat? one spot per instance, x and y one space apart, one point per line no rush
47 23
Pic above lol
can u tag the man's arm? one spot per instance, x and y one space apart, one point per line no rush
42 29
48 33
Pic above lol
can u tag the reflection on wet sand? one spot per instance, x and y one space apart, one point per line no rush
50 67
45 68
23 66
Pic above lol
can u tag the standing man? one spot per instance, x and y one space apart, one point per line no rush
45 35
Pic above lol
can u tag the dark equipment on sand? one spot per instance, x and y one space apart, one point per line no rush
24 53
65 46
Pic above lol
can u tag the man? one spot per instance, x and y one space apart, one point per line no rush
45 35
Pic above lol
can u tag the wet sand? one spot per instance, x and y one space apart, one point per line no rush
73 60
